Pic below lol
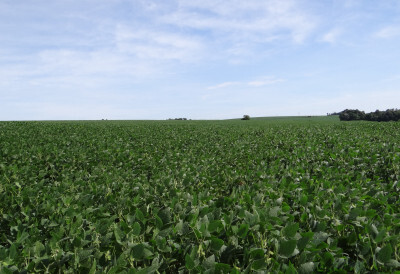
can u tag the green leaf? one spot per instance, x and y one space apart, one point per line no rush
320 237
13 252
117 234
259 264
257 253
10 270
197 232
179 227
151 269
159 222
287 248
359 267
384 254
189 262
304 240
274 211
304 217
136 229
139 215
354 213
140 252
3 254
222 268
93 268
165 215
38 248
373 229
306 268
162 244
85 253
393 263
243 229
250 218
291 269
148 270
285 207
209 263
303 200
290 230
216 243
22 237
215 226
380 236
77 241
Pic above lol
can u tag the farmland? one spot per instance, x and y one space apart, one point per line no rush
272 195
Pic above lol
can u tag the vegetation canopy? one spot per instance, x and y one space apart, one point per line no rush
379 116
272 195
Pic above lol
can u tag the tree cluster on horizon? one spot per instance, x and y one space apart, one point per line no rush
379 116
178 119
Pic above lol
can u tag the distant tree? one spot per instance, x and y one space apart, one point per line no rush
344 116
246 117
352 114
380 116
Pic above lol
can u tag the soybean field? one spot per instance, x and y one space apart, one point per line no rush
274 195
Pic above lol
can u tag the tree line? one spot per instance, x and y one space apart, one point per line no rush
379 116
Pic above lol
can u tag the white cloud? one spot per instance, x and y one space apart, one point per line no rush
331 36
224 85
147 43
61 70
388 32
85 41
265 81
256 21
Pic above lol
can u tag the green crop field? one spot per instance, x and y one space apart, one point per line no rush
280 195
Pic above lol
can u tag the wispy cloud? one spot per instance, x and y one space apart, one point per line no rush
148 43
75 68
238 21
331 36
388 32
153 32
224 85
264 81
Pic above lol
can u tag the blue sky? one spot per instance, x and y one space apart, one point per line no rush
200 59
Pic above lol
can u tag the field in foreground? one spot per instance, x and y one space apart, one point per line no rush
271 195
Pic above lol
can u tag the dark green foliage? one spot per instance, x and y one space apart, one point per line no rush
351 114
273 196
380 116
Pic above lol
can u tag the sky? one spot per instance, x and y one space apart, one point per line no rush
198 59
